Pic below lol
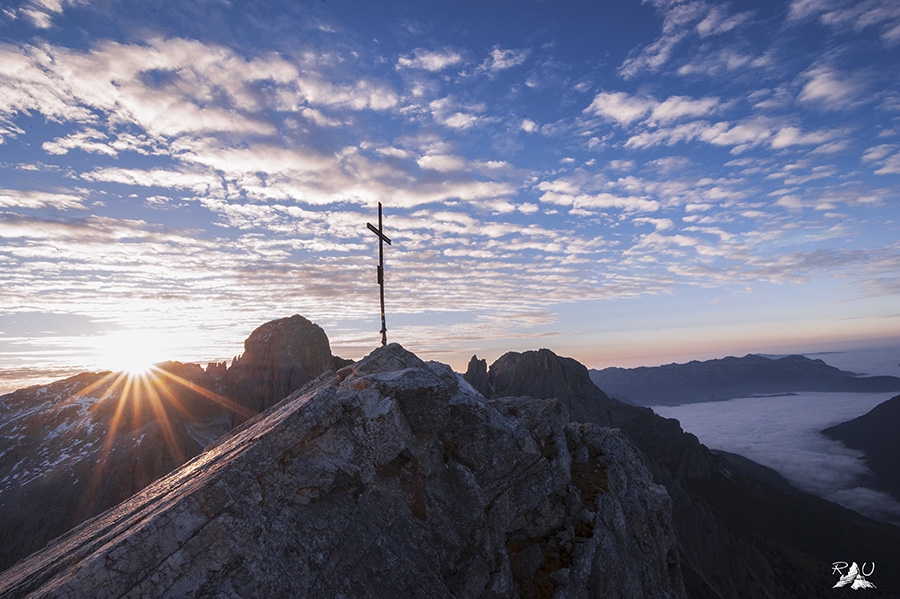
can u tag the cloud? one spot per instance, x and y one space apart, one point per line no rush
500 60
42 12
32 199
886 157
829 89
430 60
565 192
717 21
626 109
89 140
677 20
169 179
448 112
856 17
677 107
791 136
166 88
620 107
726 60
783 433
442 162
680 21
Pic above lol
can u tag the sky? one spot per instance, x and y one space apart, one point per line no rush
623 182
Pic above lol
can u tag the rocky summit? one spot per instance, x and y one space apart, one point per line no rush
389 478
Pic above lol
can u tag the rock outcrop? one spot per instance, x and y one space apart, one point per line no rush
279 357
390 478
738 536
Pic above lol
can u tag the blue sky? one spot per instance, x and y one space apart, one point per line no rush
624 182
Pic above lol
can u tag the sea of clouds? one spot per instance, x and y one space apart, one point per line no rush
783 433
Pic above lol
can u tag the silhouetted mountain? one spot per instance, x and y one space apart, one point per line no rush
731 377
279 357
742 530
390 478
71 449
878 434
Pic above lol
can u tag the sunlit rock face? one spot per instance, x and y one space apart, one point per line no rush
391 478
279 357
71 449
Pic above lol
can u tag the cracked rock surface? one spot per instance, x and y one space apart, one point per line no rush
389 478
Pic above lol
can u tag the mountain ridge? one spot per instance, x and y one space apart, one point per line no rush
722 508
731 377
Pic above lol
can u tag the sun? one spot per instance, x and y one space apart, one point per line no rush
132 352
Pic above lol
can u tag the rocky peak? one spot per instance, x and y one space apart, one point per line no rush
279 357
477 376
543 374
390 478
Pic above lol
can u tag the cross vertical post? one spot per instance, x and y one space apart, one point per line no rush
381 239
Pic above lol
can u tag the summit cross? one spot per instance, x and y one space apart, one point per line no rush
381 239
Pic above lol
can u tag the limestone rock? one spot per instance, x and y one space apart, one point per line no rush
477 376
390 478
543 374
279 357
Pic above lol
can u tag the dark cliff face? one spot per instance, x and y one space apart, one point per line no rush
387 479
738 536
74 448
876 433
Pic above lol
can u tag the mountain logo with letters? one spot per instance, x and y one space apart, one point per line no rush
855 576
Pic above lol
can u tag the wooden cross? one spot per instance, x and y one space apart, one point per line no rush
381 239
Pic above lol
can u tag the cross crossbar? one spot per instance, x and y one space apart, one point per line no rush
378 232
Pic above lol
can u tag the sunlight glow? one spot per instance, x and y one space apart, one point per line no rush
133 352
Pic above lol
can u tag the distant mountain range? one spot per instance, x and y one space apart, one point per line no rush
731 377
